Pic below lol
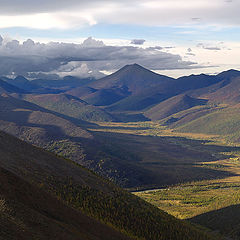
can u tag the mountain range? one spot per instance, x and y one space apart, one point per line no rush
59 121
59 115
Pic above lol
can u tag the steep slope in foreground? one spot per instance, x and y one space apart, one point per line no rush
28 212
84 191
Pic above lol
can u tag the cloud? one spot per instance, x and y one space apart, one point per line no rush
190 54
201 45
73 13
88 59
90 42
138 41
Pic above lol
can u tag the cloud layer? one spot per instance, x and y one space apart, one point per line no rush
74 13
87 59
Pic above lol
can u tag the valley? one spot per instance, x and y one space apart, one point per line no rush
212 201
119 120
172 142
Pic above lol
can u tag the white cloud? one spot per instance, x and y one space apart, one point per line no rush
73 13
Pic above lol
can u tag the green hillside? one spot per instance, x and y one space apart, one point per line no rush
222 122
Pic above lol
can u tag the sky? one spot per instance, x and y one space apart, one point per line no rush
55 38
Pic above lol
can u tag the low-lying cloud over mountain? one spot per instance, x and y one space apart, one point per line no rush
88 59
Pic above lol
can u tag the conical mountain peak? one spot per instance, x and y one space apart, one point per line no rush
132 77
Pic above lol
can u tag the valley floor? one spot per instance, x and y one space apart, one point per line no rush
210 202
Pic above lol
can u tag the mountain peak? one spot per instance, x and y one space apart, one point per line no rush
132 77
229 73
133 67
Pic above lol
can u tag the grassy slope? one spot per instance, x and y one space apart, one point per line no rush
173 105
70 106
91 194
223 122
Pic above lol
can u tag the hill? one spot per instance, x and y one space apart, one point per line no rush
225 220
128 160
222 121
28 86
219 116
8 88
173 105
35 124
81 92
22 83
70 106
26 169
228 92
127 81
150 96
66 83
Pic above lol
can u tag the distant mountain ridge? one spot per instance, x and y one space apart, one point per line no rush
134 93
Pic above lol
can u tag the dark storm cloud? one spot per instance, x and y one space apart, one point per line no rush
90 56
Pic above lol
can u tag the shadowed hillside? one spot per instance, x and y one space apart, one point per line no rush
29 212
8 88
225 220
